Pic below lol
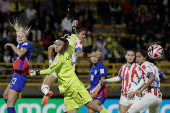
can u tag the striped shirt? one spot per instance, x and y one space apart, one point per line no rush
129 74
148 69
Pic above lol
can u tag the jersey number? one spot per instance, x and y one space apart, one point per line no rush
14 80
79 94
92 76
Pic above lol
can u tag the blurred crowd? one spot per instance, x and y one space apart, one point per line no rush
147 22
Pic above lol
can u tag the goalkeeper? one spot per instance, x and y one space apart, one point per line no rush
75 94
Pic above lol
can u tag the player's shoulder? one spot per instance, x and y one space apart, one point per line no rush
123 66
101 64
67 54
24 43
78 41
146 63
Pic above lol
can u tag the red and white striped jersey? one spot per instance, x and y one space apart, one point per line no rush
129 74
148 69
78 46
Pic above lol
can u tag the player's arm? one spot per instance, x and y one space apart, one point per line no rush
73 40
99 87
73 36
163 77
19 52
51 48
54 66
135 88
114 79
88 87
84 54
150 81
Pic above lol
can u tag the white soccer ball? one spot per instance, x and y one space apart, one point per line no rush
155 52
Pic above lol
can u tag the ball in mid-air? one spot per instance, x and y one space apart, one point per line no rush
155 52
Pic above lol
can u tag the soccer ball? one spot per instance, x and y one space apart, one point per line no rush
155 52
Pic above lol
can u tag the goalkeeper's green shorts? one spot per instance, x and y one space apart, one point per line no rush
76 96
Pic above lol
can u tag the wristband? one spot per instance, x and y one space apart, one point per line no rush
50 61
37 72
74 30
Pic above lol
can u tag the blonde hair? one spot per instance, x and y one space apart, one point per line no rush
19 28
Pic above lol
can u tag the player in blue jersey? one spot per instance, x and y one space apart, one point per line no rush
98 91
20 66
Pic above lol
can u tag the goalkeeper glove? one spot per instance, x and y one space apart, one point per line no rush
34 72
74 25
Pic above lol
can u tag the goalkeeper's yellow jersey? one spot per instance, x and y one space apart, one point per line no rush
62 65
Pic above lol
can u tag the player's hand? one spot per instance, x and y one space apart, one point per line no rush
34 72
131 94
98 53
74 25
138 93
92 95
102 80
8 44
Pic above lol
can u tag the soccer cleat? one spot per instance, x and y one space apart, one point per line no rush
46 97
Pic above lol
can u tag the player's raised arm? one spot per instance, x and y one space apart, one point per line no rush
73 36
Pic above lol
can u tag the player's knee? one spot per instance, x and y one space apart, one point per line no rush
132 110
122 110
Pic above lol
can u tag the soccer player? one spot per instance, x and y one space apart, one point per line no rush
129 73
75 94
50 79
151 95
98 91
20 66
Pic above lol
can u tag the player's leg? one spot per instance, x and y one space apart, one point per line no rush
49 80
45 88
92 105
123 108
133 110
141 105
72 111
123 104
98 102
6 92
133 100
154 108
12 98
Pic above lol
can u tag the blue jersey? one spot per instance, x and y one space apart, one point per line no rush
95 75
29 48
21 67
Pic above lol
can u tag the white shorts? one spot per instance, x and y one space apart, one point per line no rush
126 101
54 74
148 100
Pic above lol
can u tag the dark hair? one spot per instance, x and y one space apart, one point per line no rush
130 50
144 53
80 28
66 44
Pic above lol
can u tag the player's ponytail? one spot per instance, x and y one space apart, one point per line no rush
19 28
66 43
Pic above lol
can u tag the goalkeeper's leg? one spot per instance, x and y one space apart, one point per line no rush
48 81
